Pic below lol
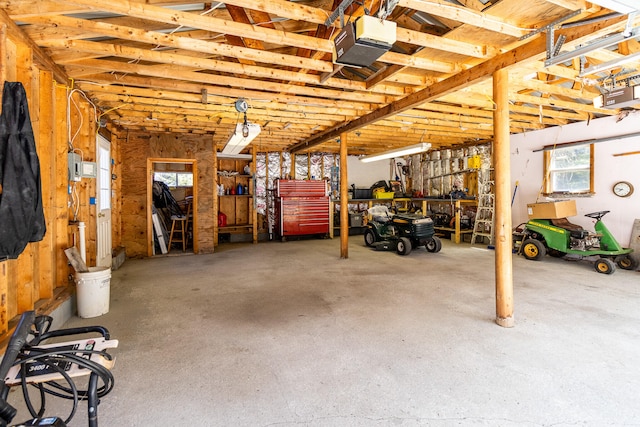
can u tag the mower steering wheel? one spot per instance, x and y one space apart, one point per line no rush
597 215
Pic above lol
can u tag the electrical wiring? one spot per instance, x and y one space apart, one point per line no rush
74 197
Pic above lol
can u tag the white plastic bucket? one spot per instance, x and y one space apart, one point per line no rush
93 291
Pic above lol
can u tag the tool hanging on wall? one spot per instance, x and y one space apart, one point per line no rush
515 190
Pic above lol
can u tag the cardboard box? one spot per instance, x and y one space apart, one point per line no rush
552 210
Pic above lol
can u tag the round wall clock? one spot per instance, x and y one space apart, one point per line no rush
623 189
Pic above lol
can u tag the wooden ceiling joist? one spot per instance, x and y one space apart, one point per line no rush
147 63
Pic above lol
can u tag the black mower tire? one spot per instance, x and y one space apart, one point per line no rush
403 246
625 262
533 249
604 266
434 244
369 237
556 253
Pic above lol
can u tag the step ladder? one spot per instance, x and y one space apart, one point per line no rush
484 223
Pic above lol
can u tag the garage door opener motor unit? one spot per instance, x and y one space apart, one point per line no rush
362 42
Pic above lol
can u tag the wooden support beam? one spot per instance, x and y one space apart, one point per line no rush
534 50
38 54
502 216
344 198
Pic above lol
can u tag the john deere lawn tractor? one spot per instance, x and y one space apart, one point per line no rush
559 237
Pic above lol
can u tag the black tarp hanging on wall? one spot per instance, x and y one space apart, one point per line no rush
21 214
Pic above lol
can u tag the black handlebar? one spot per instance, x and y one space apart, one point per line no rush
16 343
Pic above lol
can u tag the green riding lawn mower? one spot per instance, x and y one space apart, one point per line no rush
401 232
559 237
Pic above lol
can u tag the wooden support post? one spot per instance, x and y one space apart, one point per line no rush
344 199
502 230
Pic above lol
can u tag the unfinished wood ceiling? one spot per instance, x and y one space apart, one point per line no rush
176 66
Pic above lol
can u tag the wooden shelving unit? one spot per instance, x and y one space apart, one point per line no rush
456 205
426 205
238 202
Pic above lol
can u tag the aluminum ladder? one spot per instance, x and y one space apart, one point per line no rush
483 225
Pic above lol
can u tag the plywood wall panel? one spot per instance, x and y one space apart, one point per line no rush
206 189
136 148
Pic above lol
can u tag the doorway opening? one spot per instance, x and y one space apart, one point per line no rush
172 198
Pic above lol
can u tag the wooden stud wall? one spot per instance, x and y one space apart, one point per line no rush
39 277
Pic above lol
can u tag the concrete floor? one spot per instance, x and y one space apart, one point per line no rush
287 334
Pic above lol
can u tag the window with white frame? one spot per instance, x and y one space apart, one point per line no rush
174 179
569 170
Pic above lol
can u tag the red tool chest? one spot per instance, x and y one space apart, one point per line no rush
302 207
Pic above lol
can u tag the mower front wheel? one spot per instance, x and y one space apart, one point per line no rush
604 266
533 249
626 262
434 244
403 246
369 237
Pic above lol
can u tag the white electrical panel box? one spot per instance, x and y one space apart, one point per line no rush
79 169
89 170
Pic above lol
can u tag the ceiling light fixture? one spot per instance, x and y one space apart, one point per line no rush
244 132
241 137
621 6
405 151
